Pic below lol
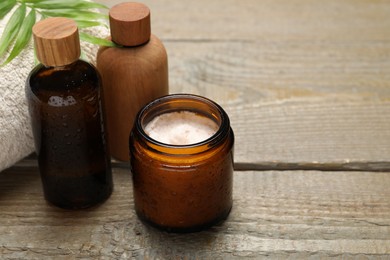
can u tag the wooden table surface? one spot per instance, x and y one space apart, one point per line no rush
307 87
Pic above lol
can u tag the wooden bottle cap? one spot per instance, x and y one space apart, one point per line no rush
130 24
56 41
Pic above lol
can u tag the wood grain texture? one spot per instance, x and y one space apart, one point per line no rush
322 136
56 41
131 77
295 20
275 214
304 106
130 24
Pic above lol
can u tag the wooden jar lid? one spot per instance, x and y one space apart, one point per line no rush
56 41
130 24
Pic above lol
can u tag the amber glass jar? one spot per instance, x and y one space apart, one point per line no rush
182 188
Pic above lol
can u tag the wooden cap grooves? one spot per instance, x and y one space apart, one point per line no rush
56 41
130 24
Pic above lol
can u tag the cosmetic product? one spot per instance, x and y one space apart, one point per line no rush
182 163
63 94
134 73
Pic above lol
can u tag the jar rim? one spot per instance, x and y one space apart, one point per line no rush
219 116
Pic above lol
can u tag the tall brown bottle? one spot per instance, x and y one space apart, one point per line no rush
133 74
63 94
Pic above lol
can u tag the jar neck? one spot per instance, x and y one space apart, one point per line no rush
184 102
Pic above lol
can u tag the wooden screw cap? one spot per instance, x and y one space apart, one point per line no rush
56 41
130 24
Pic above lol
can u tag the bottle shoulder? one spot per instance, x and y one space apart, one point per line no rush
76 81
153 49
148 57
74 69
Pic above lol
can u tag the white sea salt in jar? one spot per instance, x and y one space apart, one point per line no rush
180 128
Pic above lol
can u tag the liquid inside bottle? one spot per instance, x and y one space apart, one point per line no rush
67 122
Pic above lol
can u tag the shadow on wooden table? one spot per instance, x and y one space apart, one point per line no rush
109 229
160 244
14 182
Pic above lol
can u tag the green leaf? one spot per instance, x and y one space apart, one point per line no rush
23 37
70 4
18 29
5 7
32 1
95 40
70 13
86 24
12 28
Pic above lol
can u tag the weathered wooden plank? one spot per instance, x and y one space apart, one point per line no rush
295 106
269 19
276 214
305 135
276 72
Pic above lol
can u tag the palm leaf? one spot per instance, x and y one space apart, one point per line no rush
12 28
86 24
6 6
95 40
80 14
18 29
23 37
70 4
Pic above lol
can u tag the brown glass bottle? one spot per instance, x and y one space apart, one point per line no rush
182 188
64 104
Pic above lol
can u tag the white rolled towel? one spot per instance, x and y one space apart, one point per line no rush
16 139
